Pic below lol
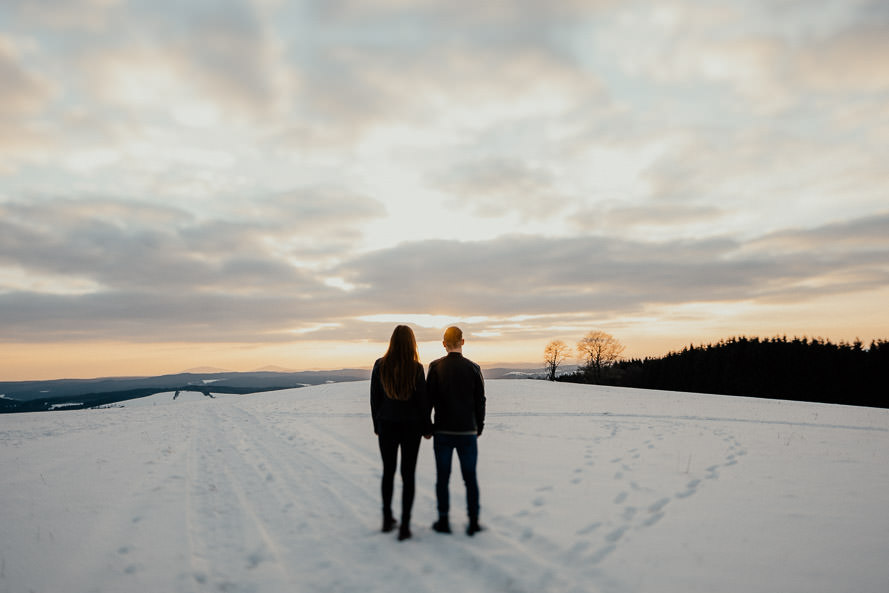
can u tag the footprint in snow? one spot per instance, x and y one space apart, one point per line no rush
658 506
589 528
615 535
653 519
692 488
579 548
601 554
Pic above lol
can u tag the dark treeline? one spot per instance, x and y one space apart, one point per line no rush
801 369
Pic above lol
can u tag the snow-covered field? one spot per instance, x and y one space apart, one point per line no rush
583 489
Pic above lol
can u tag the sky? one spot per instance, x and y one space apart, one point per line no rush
243 183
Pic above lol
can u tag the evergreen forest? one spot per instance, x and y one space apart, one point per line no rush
802 369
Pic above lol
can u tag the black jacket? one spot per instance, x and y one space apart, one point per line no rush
457 394
413 411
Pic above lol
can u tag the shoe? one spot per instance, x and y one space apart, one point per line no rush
389 524
473 527
442 525
404 532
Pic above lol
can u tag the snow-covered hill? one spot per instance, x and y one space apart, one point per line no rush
583 489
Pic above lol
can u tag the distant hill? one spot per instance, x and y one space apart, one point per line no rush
75 394
523 373
72 394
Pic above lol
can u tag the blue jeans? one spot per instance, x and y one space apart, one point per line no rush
466 446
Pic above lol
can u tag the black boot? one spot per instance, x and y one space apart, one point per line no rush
473 527
442 525
404 532
389 523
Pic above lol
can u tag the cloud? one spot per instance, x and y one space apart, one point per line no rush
499 187
770 60
139 259
760 178
163 275
233 56
125 244
316 209
862 239
152 317
649 219
200 62
463 12
24 96
83 15
438 65
854 60
604 274
22 92
317 78
450 89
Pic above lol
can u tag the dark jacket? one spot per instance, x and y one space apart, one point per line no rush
457 394
413 411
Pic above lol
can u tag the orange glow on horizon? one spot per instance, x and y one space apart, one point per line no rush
27 362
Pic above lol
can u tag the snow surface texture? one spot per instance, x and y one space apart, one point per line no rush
583 488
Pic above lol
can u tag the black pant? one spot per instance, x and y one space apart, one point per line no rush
391 437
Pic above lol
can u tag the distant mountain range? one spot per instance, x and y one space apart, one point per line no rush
74 394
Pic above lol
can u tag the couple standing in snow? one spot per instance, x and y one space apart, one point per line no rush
401 401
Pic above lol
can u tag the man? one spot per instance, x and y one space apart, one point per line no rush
457 393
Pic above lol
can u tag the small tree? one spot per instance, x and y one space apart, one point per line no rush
554 354
599 350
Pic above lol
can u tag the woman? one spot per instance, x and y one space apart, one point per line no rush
400 411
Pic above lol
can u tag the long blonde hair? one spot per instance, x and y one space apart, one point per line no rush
398 367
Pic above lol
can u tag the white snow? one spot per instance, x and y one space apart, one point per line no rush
583 489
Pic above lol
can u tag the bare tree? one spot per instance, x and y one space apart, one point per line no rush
599 350
554 354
